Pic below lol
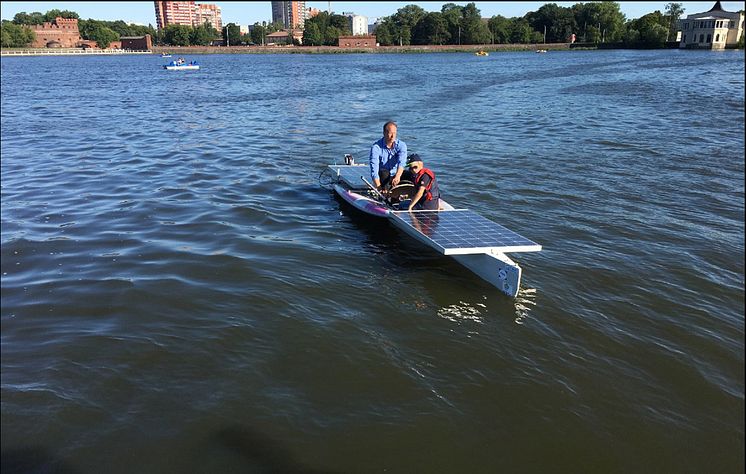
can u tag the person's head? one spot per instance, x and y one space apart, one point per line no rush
389 131
414 162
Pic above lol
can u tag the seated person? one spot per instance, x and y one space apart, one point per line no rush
426 189
426 192
387 157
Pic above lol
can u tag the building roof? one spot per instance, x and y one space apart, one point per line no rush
716 7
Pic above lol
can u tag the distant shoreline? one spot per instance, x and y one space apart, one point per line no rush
337 50
184 50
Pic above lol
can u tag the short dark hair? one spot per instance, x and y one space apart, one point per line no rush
390 122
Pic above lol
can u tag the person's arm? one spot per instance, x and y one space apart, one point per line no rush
373 161
417 196
402 163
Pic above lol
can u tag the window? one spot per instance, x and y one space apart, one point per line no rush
701 38
684 38
717 38
709 38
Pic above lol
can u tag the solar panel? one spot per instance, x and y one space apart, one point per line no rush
350 174
461 231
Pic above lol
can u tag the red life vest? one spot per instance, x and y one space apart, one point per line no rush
424 171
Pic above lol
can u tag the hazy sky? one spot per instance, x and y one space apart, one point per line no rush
245 13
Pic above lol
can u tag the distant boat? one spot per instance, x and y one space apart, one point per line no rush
175 66
541 50
482 53
165 55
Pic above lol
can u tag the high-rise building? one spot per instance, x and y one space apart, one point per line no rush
207 12
187 13
174 13
290 14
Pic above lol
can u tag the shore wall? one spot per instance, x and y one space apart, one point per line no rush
282 49
67 51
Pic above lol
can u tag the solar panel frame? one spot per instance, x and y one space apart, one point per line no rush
460 232
350 175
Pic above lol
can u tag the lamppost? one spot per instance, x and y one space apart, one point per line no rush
227 38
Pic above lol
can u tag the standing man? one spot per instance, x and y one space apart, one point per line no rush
387 158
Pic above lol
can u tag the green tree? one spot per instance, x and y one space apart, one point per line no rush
673 13
648 31
520 31
234 33
202 35
177 35
52 14
23 18
612 21
312 34
104 36
452 16
499 28
258 33
559 22
474 29
331 35
398 27
431 29
330 28
15 36
385 32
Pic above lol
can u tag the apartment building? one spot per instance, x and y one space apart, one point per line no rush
290 14
187 13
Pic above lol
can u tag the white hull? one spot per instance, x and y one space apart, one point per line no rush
494 267
181 68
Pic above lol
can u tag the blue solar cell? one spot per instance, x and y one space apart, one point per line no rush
351 174
462 231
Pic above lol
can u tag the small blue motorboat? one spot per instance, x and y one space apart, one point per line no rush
181 66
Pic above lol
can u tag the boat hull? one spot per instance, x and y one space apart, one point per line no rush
493 267
181 68
362 203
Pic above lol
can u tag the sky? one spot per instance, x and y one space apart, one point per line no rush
247 13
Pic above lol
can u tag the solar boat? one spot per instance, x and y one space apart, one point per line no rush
475 242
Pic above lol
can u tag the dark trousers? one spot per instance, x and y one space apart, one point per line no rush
385 176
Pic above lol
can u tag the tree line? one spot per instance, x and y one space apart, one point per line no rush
596 22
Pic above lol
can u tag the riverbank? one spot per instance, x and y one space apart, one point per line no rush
66 51
283 49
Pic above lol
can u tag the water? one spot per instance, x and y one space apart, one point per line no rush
180 294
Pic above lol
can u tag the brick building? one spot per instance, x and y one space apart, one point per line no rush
367 41
138 43
59 33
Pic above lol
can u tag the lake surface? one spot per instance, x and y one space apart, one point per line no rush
181 294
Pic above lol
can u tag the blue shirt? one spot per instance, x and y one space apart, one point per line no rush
387 158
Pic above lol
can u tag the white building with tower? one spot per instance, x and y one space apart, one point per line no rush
713 29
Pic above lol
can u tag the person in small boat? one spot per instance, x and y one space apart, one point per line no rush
387 158
426 192
180 61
